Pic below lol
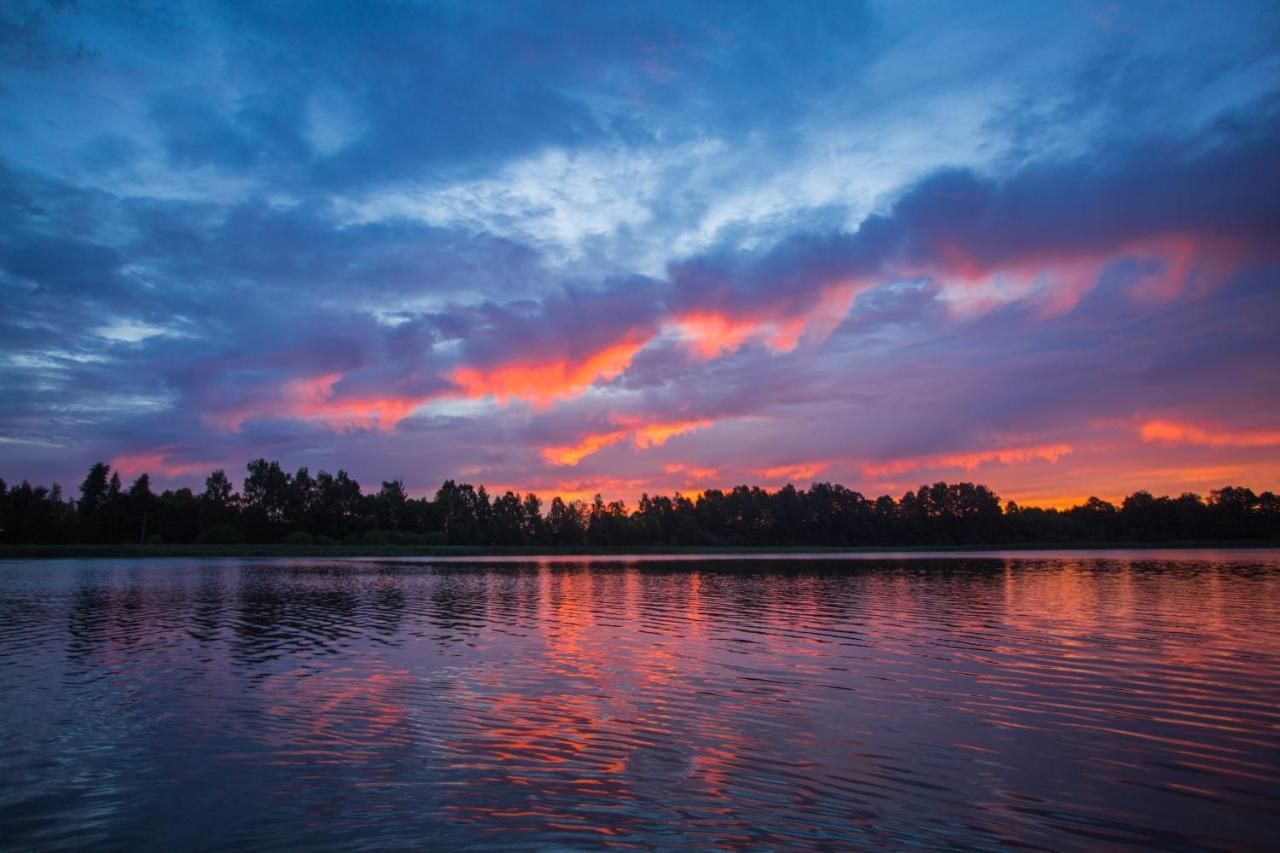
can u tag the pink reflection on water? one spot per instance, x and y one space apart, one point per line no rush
580 701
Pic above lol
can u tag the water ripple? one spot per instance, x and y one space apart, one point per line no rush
1040 702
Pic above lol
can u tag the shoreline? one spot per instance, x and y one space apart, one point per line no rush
54 552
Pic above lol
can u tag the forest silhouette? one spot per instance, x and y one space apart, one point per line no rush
275 506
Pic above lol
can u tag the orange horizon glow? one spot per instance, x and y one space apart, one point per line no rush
1031 475
693 481
609 488
628 492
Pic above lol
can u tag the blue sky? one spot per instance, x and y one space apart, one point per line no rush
580 247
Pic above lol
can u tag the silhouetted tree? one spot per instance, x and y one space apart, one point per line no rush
218 504
391 505
565 523
93 502
328 507
508 523
267 495
535 530
140 504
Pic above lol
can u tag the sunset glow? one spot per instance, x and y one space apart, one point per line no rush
709 425
668 249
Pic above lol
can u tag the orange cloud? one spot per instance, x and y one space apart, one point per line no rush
968 461
572 454
313 398
542 382
712 332
692 473
365 412
802 471
1173 432
654 435
643 435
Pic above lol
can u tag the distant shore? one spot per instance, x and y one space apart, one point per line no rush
49 552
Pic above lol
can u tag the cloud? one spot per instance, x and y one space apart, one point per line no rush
796 472
315 398
967 461
1168 432
543 382
643 435
692 473
712 332
159 463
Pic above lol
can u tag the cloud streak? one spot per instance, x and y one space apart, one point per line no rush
642 435
1162 431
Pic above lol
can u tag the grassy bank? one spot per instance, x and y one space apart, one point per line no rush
48 552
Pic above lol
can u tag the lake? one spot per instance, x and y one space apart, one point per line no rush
1053 700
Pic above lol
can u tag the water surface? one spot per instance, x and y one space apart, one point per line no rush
1044 700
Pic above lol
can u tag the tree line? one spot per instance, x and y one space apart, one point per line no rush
275 506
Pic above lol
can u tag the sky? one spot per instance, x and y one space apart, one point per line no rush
645 247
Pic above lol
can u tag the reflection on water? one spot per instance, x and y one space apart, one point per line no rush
1049 701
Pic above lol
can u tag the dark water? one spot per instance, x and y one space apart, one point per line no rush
1055 701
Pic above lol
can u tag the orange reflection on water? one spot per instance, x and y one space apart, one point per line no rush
603 711
574 698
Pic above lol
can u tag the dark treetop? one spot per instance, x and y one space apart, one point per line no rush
274 506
